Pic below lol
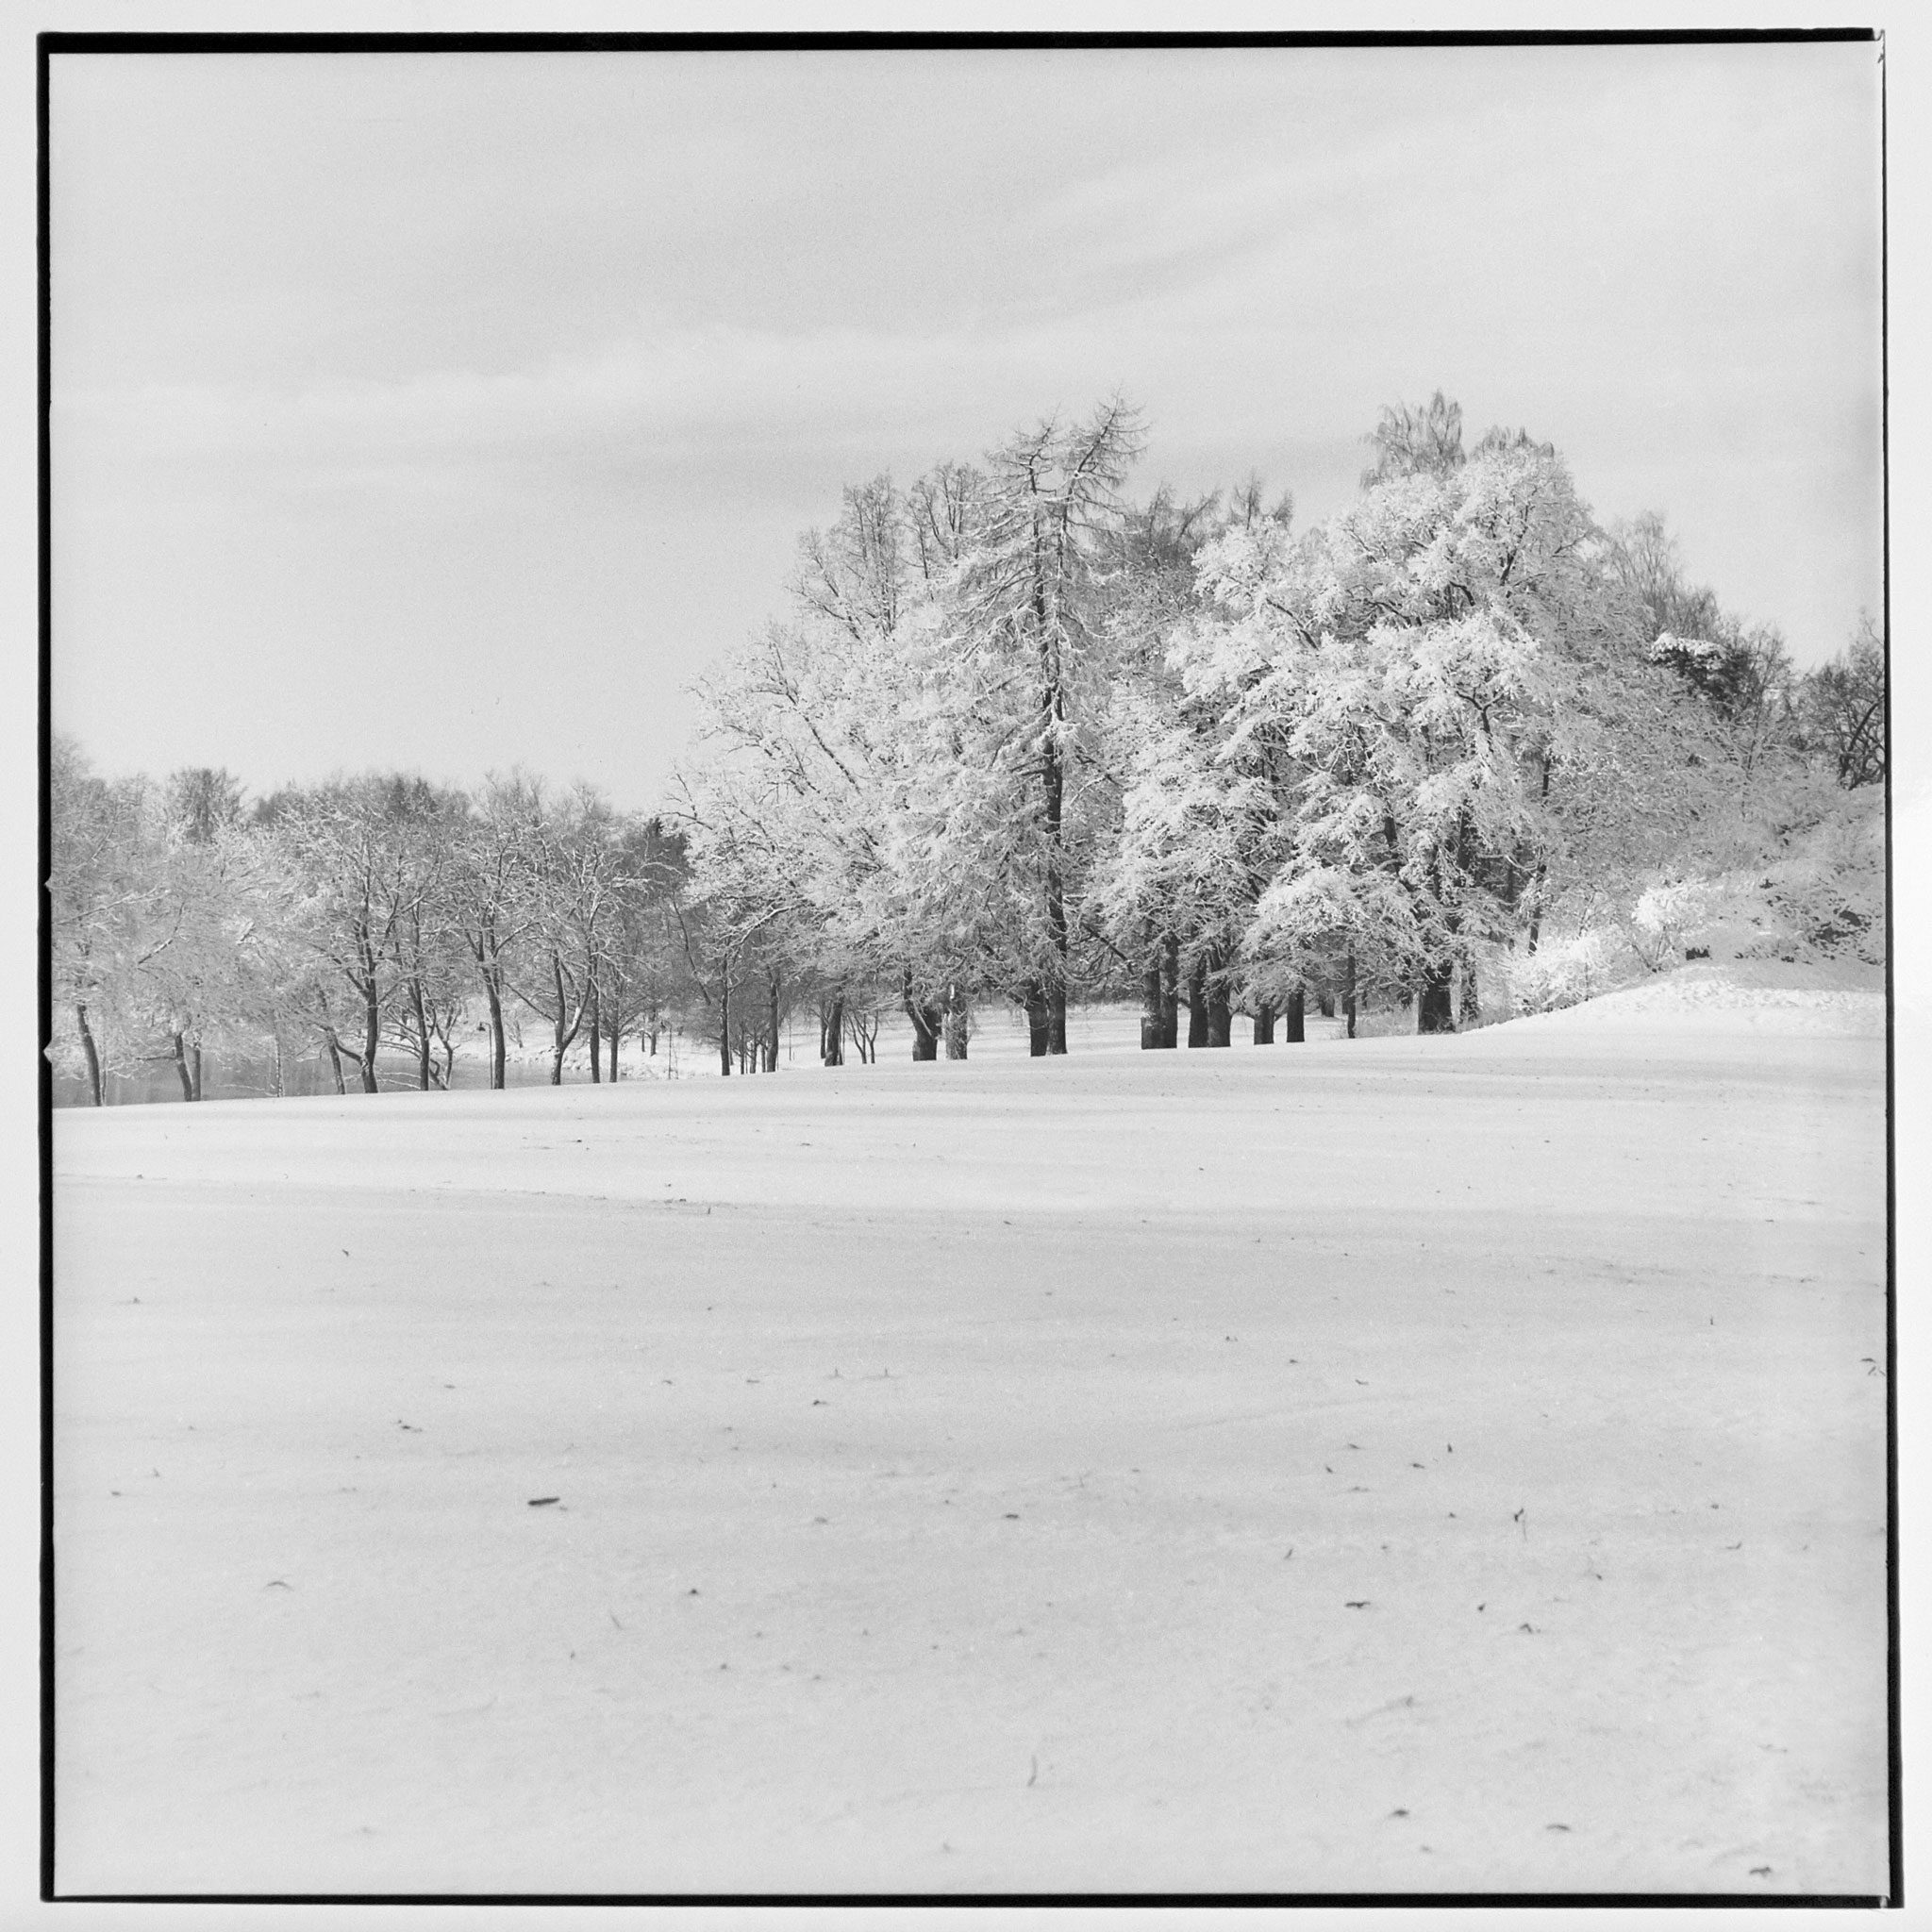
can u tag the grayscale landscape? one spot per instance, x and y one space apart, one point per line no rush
676 677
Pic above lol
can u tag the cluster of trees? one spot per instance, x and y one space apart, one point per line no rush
374 915
1022 738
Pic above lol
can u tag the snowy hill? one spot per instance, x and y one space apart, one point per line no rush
1737 996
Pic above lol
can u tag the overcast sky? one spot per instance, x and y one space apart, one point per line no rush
450 411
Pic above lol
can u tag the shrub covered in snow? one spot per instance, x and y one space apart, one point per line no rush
1563 973
1697 918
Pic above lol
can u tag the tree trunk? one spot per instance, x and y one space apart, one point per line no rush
725 1024
372 1014
494 993
1324 1005
1543 868
1264 1023
1150 1010
926 1022
772 1029
1471 1004
194 1063
1037 1025
91 1052
181 1068
832 1033
1220 1011
1197 1001
1295 1030
1150 996
1348 993
956 1029
1053 791
615 1036
559 1040
421 1032
1436 1010
596 1028
335 1058
1170 989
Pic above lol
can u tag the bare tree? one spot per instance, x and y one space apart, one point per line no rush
1844 708
494 903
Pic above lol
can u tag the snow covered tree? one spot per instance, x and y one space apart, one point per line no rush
161 919
1197 845
1181 836
569 897
958 711
1405 674
99 887
363 856
1742 672
743 910
876 753
492 900
610 874
635 971
207 987
1029 594
201 801
426 825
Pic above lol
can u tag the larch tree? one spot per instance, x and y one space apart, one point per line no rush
1029 594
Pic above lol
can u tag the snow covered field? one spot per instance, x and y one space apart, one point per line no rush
1386 1465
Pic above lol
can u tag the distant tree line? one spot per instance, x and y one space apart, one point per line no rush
1025 739
365 916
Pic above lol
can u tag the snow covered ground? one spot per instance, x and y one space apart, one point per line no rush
1396 1464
